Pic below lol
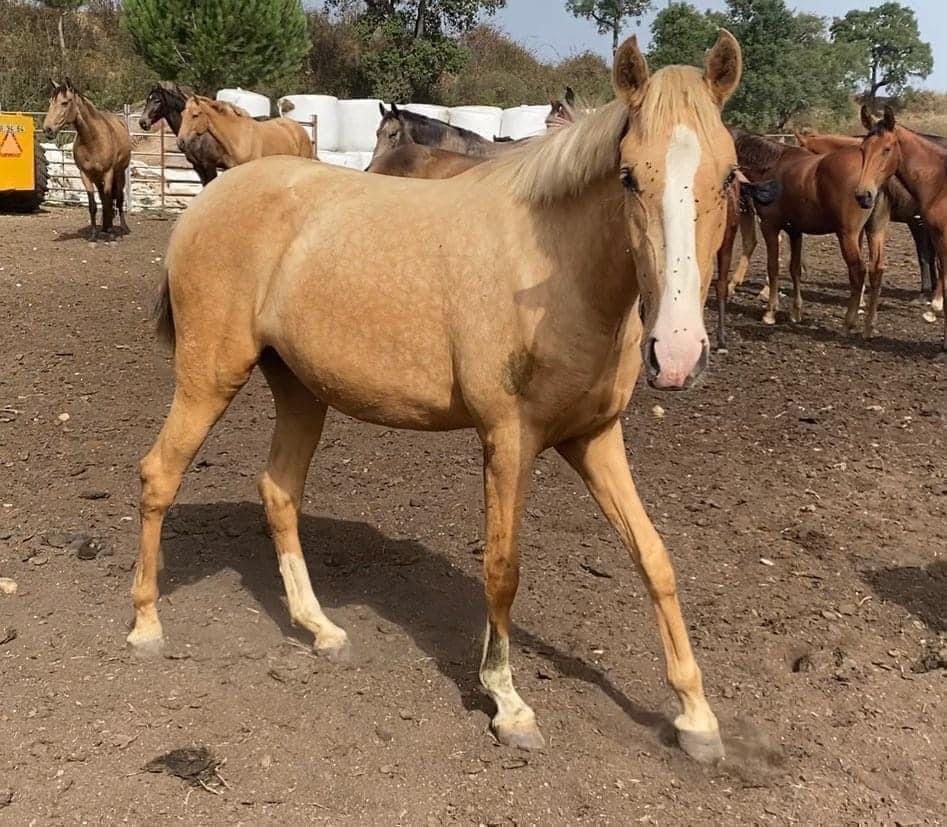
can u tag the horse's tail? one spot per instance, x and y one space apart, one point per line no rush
163 314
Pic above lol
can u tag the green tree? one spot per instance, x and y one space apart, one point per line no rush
64 7
214 43
610 16
888 46
682 34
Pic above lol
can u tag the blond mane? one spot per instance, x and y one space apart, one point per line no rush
564 162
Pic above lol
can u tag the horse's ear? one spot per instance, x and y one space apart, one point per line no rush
630 72
381 108
867 120
69 85
888 120
570 95
394 110
723 67
53 87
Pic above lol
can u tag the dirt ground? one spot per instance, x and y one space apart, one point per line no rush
802 490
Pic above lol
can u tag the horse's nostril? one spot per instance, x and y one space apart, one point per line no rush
651 358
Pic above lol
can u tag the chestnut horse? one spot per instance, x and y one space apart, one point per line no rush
102 151
922 168
901 206
819 194
240 137
506 300
419 161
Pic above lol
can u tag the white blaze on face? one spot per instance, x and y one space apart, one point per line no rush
679 327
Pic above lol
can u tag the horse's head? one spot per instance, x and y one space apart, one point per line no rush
156 105
391 131
881 154
677 162
63 107
193 120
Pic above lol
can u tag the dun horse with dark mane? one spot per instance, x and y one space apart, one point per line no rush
506 300
102 151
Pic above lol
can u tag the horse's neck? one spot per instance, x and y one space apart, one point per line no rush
89 122
231 137
918 158
172 113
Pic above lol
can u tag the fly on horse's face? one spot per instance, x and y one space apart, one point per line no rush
677 162
389 133
881 154
62 108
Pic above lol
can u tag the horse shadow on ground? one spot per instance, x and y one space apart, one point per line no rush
351 563
920 590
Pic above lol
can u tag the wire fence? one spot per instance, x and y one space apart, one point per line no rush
159 175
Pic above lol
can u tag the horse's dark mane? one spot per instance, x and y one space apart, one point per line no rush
430 129
757 152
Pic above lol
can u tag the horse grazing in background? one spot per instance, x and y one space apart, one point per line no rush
240 137
400 126
102 151
507 300
922 168
819 194
899 204
166 100
418 161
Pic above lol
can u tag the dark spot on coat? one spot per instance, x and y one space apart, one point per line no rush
518 373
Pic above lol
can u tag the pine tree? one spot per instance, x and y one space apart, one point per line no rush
213 43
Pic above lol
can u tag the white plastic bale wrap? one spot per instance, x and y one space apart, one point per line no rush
429 110
360 119
484 120
350 160
325 108
524 122
257 105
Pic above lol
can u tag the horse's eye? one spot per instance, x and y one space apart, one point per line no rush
628 180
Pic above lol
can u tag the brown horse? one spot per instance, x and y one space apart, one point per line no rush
922 168
899 203
505 300
819 194
240 138
102 151
418 161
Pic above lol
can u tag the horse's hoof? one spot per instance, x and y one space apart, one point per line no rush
929 316
145 646
338 652
937 304
722 350
524 735
703 747
769 318
796 317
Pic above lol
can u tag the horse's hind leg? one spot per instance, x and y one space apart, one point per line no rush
118 194
299 420
795 270
925 255
601 462
202 393
771 237
876 270
724 257
508 457
748 245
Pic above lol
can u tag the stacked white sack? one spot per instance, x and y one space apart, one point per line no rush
484 120
524 122
325 108
350 160
430 110
359 119
257 105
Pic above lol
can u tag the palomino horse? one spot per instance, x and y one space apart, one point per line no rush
901 206
166 100
922 168
418 161
102 151
507 300
819 194
240 138
400 126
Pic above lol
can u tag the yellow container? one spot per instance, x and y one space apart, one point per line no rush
16 152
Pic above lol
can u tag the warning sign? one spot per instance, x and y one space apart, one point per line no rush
9 145
16 152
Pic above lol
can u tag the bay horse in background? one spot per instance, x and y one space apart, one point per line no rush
419 161
506 300
401 126
102 151
900 204
167 100
819 195
240 137
921 166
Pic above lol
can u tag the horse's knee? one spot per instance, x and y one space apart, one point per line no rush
279 504
157 489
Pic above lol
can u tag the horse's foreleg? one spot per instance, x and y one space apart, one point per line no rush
508 457
90 194
876 270
848 242
108 204
925 255
118 191
748 245
771 237
795 270
601 462
299 420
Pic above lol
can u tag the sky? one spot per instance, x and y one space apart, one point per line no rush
550 31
